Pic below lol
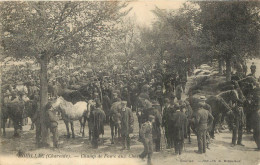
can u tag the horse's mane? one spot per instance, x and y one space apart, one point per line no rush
229 93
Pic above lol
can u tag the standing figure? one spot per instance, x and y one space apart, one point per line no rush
202 118
237 119
179 120
253 68
147 139
178 91
52 124
97 118
127 124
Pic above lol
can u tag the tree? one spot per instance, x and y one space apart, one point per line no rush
234 29
46 30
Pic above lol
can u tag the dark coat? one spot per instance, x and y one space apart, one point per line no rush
179 123
106 104
97 118
127 121
202 118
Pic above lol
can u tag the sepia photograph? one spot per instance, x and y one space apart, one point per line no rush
138 82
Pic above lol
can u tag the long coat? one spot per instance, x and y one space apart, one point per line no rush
178 122
97 118
127 121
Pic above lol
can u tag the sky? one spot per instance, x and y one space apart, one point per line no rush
142 9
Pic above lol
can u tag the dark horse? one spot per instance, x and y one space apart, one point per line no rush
15 112
218 107
115 119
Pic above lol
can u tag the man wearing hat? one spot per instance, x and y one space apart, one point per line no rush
202 103
127 124
237 121
179 124
147 139
202 118
97 118
155 111
165 120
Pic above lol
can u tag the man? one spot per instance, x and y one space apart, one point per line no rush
155 111
178 91
253 68
147 139
97 118
165 123
127 124
179 122
106 105
52 124
202 118
237 119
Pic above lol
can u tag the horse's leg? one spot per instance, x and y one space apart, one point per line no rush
189 132
80 121
116 129
212 134
32 126
4 122
16 127
83 126
89 131
67 127
112 134
72 129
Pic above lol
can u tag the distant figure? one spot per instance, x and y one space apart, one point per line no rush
237 119
127 123
97 118
179 128
203 118
253 68
147 139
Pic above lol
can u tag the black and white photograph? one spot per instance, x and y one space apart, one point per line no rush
138 82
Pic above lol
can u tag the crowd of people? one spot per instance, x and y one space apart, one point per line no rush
155 97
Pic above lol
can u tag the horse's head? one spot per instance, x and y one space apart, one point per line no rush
56 103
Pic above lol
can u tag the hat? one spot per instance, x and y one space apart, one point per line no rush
151 117
176 106
203 98
124 102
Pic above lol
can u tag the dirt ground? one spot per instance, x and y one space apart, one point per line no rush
78 151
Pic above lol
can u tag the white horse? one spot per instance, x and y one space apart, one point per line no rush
70 113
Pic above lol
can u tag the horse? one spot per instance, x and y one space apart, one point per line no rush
71 112
218 106
189 113
13 110
229 96
115 120
91 105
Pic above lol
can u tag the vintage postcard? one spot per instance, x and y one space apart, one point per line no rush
129 82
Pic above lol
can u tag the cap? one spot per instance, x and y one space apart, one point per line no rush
203 98
124 102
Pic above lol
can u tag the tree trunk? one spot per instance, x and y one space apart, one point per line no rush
44 99
220 66
228 69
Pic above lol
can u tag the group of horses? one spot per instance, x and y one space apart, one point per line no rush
236 91
80 110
